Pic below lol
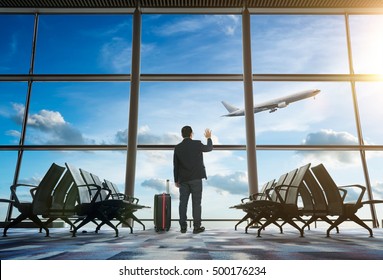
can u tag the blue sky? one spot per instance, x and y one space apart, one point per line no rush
97 113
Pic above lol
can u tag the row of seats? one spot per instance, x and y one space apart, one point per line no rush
303 192
75 196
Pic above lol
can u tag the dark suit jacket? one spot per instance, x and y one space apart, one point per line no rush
188 160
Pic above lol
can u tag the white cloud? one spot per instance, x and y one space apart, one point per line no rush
229 24
225 23
330 137
159 185
13 133
235 183
46 120
117 55
49 127
145 136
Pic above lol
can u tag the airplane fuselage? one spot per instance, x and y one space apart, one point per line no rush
272 105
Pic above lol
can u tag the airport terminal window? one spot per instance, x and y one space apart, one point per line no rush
165 107
97 113
326 119
370 100
16 43
191 44
75 44
367 43
12 102
298 44
78 113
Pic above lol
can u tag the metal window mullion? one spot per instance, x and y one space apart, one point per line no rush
252 171
134 103
358 125
26 112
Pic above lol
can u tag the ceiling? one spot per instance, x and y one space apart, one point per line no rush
189 4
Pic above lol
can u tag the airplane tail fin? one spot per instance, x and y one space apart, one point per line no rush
229 107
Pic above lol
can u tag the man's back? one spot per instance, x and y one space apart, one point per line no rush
188 159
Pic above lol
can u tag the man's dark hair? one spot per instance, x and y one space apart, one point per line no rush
186 131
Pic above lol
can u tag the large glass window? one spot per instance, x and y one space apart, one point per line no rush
166 107
78 113
191 44
298 44
16 43
370 100
79 44
324 119
367 43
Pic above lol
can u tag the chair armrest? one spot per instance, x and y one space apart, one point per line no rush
7 200
343 193
119 196
372 201
132 199
247 198
16 186
361 194
268 193
255 196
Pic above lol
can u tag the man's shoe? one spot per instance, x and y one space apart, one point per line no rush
183 230
199 230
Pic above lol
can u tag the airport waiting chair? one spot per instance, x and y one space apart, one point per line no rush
131 203
263 209
115 207
259 209
127 205
286 207
63 202
336 205
90 207
246 204
40 199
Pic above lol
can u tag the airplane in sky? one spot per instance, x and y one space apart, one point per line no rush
271 105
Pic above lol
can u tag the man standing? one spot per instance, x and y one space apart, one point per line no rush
189 170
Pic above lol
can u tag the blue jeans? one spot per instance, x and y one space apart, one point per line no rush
194 188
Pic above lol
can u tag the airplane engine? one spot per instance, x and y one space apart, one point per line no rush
282 105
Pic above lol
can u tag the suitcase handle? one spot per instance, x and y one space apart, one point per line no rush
163 211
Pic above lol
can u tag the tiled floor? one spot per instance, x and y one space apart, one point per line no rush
213 244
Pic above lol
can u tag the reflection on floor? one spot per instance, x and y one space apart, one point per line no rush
213 244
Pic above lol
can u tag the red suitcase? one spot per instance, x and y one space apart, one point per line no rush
162 212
